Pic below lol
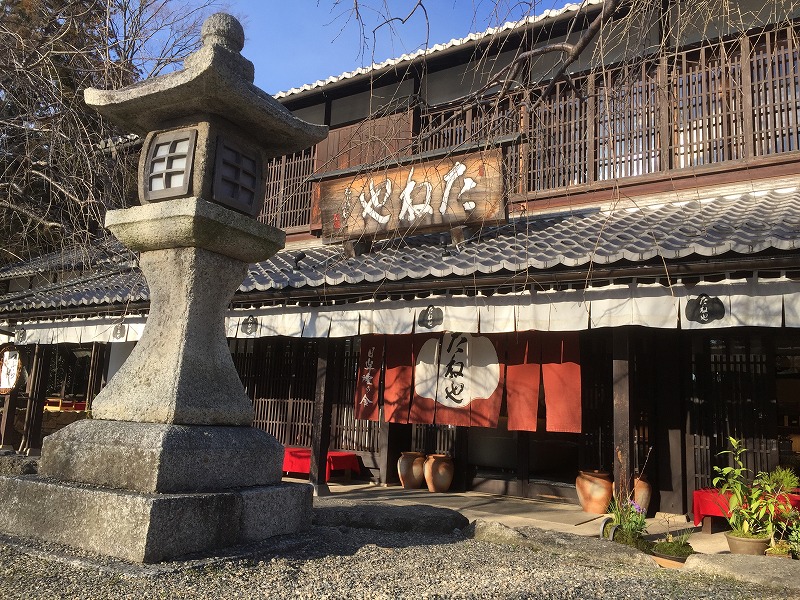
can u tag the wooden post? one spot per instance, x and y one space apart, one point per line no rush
32 436
393 438
96 367
523 462
321 421
622 406
9 437
746 104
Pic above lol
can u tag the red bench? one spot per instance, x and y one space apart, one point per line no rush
298 460
707 503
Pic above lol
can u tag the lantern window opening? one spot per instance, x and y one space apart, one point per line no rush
169 164
237 178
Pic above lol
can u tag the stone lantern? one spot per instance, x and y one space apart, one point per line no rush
170 463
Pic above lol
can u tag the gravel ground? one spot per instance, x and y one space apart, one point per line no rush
347 562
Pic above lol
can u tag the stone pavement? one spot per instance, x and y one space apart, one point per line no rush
523 512
714 559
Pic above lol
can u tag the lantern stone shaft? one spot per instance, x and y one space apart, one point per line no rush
209 131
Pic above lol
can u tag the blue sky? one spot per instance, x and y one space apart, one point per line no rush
294 42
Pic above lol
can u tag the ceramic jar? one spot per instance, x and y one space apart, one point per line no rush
410 468
594 491
439 472
642 491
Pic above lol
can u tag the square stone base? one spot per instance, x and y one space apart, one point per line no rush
142 527
162 458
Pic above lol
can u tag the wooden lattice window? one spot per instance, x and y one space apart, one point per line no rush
775 76
288 204
706 92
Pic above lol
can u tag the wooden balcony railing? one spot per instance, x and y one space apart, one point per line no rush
288 204
717 102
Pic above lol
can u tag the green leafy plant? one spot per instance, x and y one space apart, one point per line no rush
674 545
628 516
784 478
756 509
793 538
779 548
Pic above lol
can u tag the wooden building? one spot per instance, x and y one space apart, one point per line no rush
535 274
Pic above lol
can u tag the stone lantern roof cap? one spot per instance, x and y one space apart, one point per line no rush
215 80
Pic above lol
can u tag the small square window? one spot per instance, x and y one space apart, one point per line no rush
169 164
237 178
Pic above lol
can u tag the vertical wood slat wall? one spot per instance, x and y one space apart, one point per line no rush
731 398
366 142
279 377
347 432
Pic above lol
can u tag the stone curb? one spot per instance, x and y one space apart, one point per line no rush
567 544
387 517
763 570
759 570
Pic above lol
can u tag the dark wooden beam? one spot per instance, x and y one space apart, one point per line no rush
622 408
95 373
321 421
32 435
9 437
393 438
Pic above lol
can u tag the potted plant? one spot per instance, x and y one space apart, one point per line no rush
671 551
780 549
754 509
784 532
628 524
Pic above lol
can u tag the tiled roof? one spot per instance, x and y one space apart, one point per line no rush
100 252
741 224
549 14
114 287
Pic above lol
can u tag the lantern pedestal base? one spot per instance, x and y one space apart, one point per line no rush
153 457
149 527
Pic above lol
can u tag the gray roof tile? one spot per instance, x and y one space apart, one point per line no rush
744 225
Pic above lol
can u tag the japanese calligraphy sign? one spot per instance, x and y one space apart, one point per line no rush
459 370
369 377
705 309
442 192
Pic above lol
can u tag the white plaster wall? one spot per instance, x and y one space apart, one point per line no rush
119 353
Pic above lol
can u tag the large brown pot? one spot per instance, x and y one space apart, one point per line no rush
438 472
594 491
642 492
410 468
741 545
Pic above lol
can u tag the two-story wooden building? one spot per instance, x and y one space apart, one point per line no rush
534 271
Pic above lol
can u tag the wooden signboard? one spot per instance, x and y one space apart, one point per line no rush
10 368
439 193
